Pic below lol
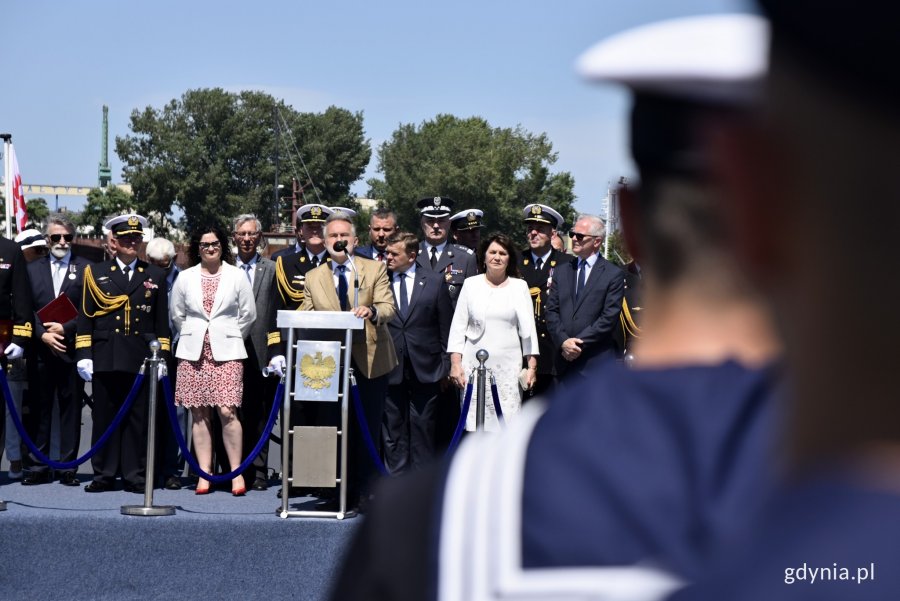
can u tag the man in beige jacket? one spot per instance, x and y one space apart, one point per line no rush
362 286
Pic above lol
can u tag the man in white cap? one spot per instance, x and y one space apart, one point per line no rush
15 300
625 485
466 226
124 307
537 266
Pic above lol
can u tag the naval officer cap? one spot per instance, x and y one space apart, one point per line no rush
538 213
125 225
349 213
30 239
435 206
852 45
681 71
313 213
470 219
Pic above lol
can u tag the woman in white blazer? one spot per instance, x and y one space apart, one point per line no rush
212 308
494 312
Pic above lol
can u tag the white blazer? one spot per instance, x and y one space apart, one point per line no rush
233 312
469 317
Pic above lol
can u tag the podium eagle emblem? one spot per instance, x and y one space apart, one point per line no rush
317 370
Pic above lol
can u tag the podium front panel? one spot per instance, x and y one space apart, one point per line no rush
317 370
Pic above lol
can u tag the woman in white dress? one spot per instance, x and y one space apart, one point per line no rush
494 312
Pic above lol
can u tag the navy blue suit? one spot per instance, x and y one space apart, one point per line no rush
367 252
420 340
592 317
55 375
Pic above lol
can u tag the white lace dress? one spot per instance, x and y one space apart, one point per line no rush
501 321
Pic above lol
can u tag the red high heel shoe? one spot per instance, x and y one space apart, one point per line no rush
239 492
202 491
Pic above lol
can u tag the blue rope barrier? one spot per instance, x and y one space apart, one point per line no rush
364 427
496 395
464 414
182 443
57 465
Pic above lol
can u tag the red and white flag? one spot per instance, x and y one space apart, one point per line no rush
18 198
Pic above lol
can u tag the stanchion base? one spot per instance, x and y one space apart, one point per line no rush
337 515
148 511
2 505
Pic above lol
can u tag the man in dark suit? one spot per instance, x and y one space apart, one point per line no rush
259 392
291 268
124 307
538 264
584 302
466 227
55 376
419 330
452 261
382 225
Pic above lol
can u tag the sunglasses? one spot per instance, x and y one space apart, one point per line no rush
579 236
205 245
55 238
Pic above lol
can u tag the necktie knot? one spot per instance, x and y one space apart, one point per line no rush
538 263
126 269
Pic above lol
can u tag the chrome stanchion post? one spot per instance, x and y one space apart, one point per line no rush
147 508
482 356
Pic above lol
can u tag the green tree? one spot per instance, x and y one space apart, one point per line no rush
498 170
37 211
211 153
103 204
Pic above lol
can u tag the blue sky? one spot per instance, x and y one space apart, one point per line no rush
398 62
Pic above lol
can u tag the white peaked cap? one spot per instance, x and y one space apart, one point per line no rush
710 57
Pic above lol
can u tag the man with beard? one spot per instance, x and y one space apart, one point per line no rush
56 377
382 225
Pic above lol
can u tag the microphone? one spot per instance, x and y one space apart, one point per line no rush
341 246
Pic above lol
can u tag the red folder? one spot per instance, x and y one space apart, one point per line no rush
60 310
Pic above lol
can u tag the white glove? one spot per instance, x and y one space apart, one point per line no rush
85 369
277 365
13 351
161 370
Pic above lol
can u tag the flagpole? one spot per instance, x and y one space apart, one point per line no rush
7 138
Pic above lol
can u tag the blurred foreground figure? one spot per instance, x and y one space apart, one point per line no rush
630 481
831 131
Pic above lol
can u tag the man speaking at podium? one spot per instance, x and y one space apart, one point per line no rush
359 285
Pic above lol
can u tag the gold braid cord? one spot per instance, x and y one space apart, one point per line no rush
536 295
284 286
105 303
628 325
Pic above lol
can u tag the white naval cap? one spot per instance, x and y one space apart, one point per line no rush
30 238
129 223
343 211
717 58
469 219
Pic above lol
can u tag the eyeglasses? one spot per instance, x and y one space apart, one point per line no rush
246 234
209 245
579 236
55 238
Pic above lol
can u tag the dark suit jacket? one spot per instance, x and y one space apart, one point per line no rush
539 282
368 252
103 337
257 341
592 317
284 252
15 297
421 336
41 275
456 264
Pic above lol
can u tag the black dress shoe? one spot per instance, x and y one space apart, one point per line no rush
36 478
173 483
96 486
260 484
69 479
134 487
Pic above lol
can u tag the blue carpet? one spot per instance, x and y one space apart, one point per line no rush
59 542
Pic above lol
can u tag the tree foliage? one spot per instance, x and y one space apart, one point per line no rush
498 170
211 153
37 211
102 204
